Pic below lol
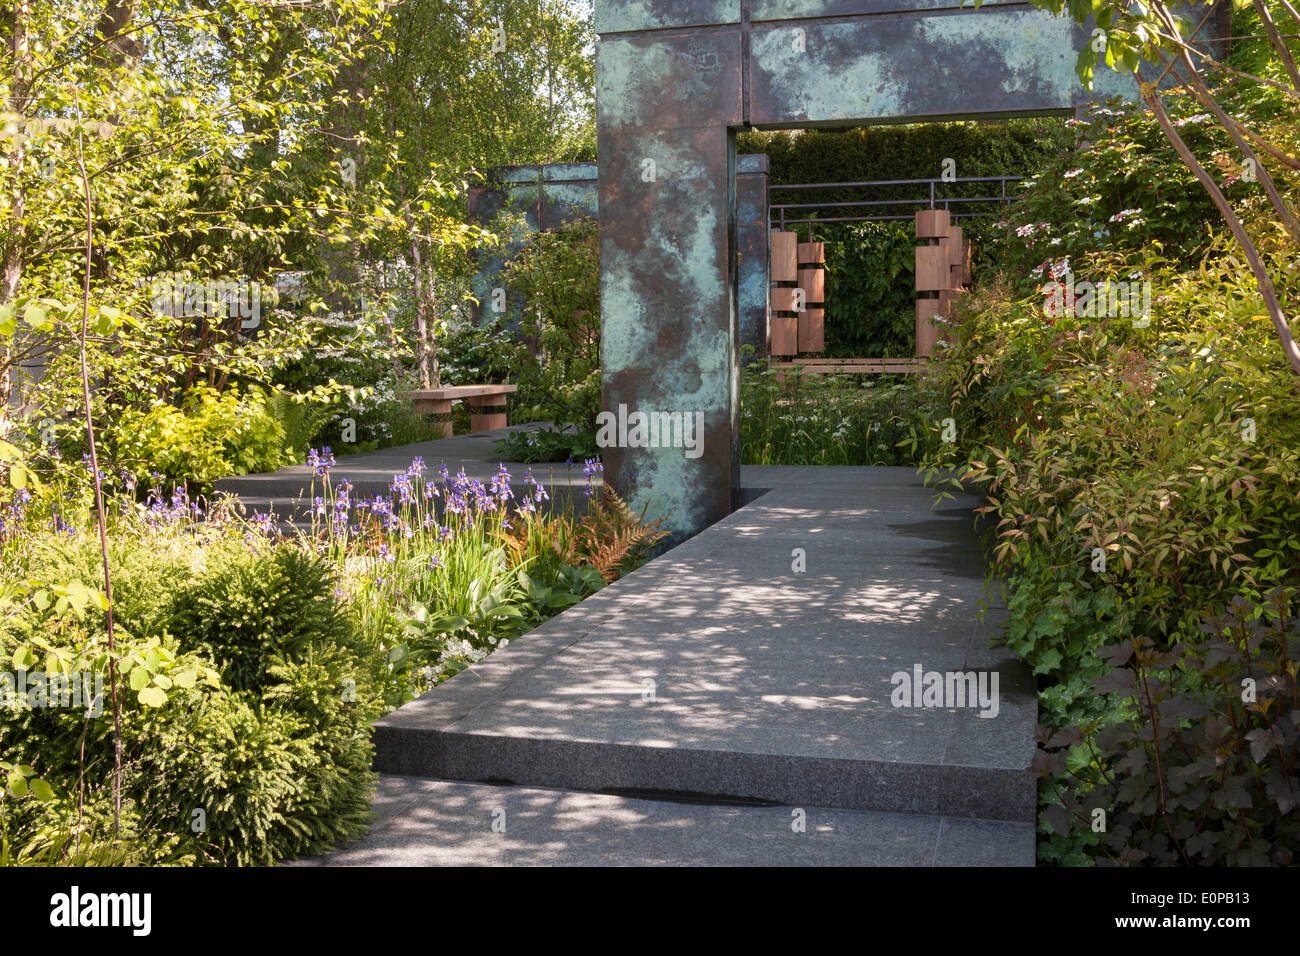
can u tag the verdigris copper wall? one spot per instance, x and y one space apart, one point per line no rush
549 195
541 197
752 238
674 80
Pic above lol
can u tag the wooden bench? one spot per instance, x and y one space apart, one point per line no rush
487 404
851 366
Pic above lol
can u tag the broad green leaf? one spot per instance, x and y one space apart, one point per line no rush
153 697
37 316
42 790
17 784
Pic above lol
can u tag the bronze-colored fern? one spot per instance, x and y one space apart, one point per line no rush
612 535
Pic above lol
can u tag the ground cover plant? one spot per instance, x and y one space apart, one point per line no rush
253 658
1142 474
789 418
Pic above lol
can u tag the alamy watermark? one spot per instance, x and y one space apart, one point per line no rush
74 908
215 298
653 429
38 689
922 688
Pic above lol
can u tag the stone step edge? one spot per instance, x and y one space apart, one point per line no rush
992 793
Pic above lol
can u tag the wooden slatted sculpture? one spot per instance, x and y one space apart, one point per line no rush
785 274
812 280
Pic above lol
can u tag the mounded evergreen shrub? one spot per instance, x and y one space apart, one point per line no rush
248 610
272 762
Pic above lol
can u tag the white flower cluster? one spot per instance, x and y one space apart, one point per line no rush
457 649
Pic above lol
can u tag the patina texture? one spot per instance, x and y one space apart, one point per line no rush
674 80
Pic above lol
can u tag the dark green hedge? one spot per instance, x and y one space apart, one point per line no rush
870 309
1014 148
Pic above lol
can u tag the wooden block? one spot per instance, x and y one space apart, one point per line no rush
931 269
785 335
812 253
481 422
812 330
927 331
783 299
784 265
431 406
953 242
932 223
813 283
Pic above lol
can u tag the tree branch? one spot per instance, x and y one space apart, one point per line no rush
1266 288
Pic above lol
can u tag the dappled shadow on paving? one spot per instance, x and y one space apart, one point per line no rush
756 660
438 823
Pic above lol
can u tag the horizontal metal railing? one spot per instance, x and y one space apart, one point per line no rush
778 211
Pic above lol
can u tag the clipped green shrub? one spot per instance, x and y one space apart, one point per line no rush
248 610
252 782
873 153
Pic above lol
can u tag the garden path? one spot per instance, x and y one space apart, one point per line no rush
721 705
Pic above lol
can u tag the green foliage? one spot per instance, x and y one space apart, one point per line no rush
213 773
1136 480
220 193
547 445
870 289
558 276
834 420
300 418
246 612
1118 188
269 782
477 354
212 436
1201 770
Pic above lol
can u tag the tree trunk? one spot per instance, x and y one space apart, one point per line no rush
426 350
11 226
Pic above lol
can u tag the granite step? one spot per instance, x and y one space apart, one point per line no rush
442 823
719 672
